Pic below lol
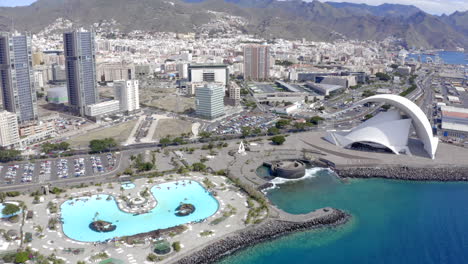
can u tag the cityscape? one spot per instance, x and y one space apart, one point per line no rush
212 141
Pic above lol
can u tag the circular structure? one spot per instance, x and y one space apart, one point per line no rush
162 247
185 209
289 169
102 226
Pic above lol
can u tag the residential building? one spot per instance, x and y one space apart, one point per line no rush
9 135
17 77
210 100
80 67
108 72
127 92
256 62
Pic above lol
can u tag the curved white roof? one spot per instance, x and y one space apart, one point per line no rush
385 129
420 121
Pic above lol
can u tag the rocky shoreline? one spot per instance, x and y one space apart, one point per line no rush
406 173
269 230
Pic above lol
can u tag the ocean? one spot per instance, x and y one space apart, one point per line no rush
449 57
392 222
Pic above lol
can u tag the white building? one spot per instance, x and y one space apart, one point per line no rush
127 92
389 130
103 108
9 134
198 73
210 101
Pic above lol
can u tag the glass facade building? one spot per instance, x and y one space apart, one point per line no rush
80 66
17 77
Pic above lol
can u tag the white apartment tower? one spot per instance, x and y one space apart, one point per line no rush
9 135
127 93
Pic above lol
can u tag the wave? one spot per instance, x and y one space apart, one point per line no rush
309 173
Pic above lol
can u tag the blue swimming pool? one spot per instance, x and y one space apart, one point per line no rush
128 185
78 214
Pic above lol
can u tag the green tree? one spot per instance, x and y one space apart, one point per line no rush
394 66
204 134
10 209
282 123
7 155
165 141
383 76
246 131
198 166
102 145
315 120
257 131
21 257
278 140
273 131
176 246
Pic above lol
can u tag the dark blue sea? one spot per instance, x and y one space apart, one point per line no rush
449 57
392 222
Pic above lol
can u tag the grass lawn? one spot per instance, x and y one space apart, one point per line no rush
119 132
172 127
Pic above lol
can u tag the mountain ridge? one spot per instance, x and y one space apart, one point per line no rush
293 19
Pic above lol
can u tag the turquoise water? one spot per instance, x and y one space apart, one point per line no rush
78 214
128 185
449 57
393 222
2 205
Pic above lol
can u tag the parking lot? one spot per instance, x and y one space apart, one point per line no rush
233 125
60 168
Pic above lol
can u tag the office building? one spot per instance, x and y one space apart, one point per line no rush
128 95
210 100
198 73
103 108
256 62
9 135
17 77
80 64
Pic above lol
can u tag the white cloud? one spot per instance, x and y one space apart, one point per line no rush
430 6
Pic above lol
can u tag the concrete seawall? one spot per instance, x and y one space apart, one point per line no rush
406 173
268 230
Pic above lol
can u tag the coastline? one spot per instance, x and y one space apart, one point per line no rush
267 231
441 174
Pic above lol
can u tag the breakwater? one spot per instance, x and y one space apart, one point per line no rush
407 173
268 230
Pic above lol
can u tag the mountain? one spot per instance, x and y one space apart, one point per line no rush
384 10
293 19
458 20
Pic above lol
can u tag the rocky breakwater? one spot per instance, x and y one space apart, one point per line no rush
407 173
268 230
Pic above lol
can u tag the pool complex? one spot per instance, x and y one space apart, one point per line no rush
77 214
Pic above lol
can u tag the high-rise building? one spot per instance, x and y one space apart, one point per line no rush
80 65
17 77
256 62
210 100
9 135
128 95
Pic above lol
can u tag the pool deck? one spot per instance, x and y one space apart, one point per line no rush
54 241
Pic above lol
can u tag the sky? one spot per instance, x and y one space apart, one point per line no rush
437 7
